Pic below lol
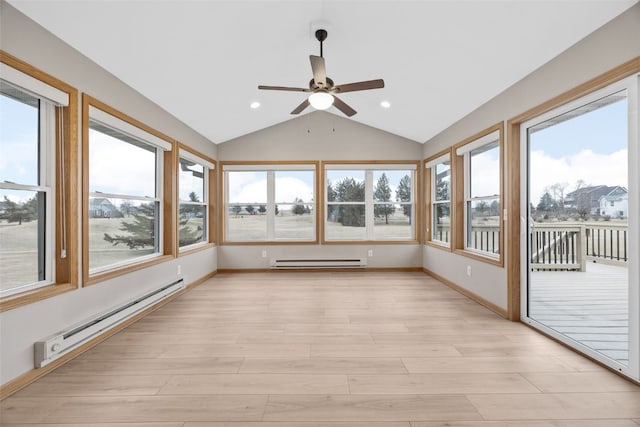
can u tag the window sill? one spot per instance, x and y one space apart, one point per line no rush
481 257
119 271
28 297
270 242
186 250
370 242
438 245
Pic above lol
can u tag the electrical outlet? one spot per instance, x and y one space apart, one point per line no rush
469 270
370 253
179 269
264 253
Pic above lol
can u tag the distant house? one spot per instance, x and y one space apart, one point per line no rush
616 203
100 207
587 200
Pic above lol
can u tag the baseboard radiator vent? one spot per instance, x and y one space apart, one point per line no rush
318 263
55 346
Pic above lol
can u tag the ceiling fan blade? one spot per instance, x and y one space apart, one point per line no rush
340 105
290 89
301 107
319 71
352 87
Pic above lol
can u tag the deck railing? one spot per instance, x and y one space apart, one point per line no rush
569 247
607 242
556 247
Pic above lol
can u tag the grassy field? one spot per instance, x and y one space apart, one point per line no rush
253 227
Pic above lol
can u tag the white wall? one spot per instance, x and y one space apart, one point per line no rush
21 327
320 136
606 48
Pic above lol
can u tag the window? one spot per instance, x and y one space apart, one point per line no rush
36 114
479 172
370 202
270 202
439 170
193 195
124 208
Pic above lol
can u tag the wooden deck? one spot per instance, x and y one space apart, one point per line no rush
590 307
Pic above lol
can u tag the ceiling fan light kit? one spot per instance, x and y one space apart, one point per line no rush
322 88
321 100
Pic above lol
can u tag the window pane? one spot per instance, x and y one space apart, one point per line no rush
395 223
441 222
483 229
119 167
192 224
294 186
22 251
18 138
295 222
191 181
346 222
246 222
121 230
345 186
442 181
247 187
485 170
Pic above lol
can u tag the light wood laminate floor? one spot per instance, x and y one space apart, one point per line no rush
326 349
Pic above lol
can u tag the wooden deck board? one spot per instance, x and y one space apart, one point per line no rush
590 307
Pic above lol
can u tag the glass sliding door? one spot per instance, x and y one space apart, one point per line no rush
580 209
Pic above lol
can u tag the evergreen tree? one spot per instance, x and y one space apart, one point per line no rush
236 210
382 193
298 208
547 204
20 212
250 209
349 190
403 194
141 232
262 209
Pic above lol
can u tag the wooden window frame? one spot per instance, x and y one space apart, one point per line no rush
417 191
428 184
211 204
459 211
167 197
223 202
66 226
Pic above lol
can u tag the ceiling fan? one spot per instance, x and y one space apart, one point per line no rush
322 88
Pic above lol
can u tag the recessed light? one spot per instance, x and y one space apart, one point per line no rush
385 104
254 105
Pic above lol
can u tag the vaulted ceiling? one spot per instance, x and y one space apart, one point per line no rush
203 60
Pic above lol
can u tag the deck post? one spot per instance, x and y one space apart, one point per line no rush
581 248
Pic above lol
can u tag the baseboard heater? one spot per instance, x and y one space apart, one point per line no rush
318 263
55 346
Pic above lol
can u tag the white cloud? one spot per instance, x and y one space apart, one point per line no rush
120 168
252 187
592 168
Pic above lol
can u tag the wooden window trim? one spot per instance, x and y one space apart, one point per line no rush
169 159
416 203
513 148
211 204
458 198
66 274
222 202
428 241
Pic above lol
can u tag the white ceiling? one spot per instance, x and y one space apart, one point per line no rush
202 60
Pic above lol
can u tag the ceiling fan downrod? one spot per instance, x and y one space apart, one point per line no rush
321 35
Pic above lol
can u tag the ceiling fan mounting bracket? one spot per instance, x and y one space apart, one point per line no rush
321 35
